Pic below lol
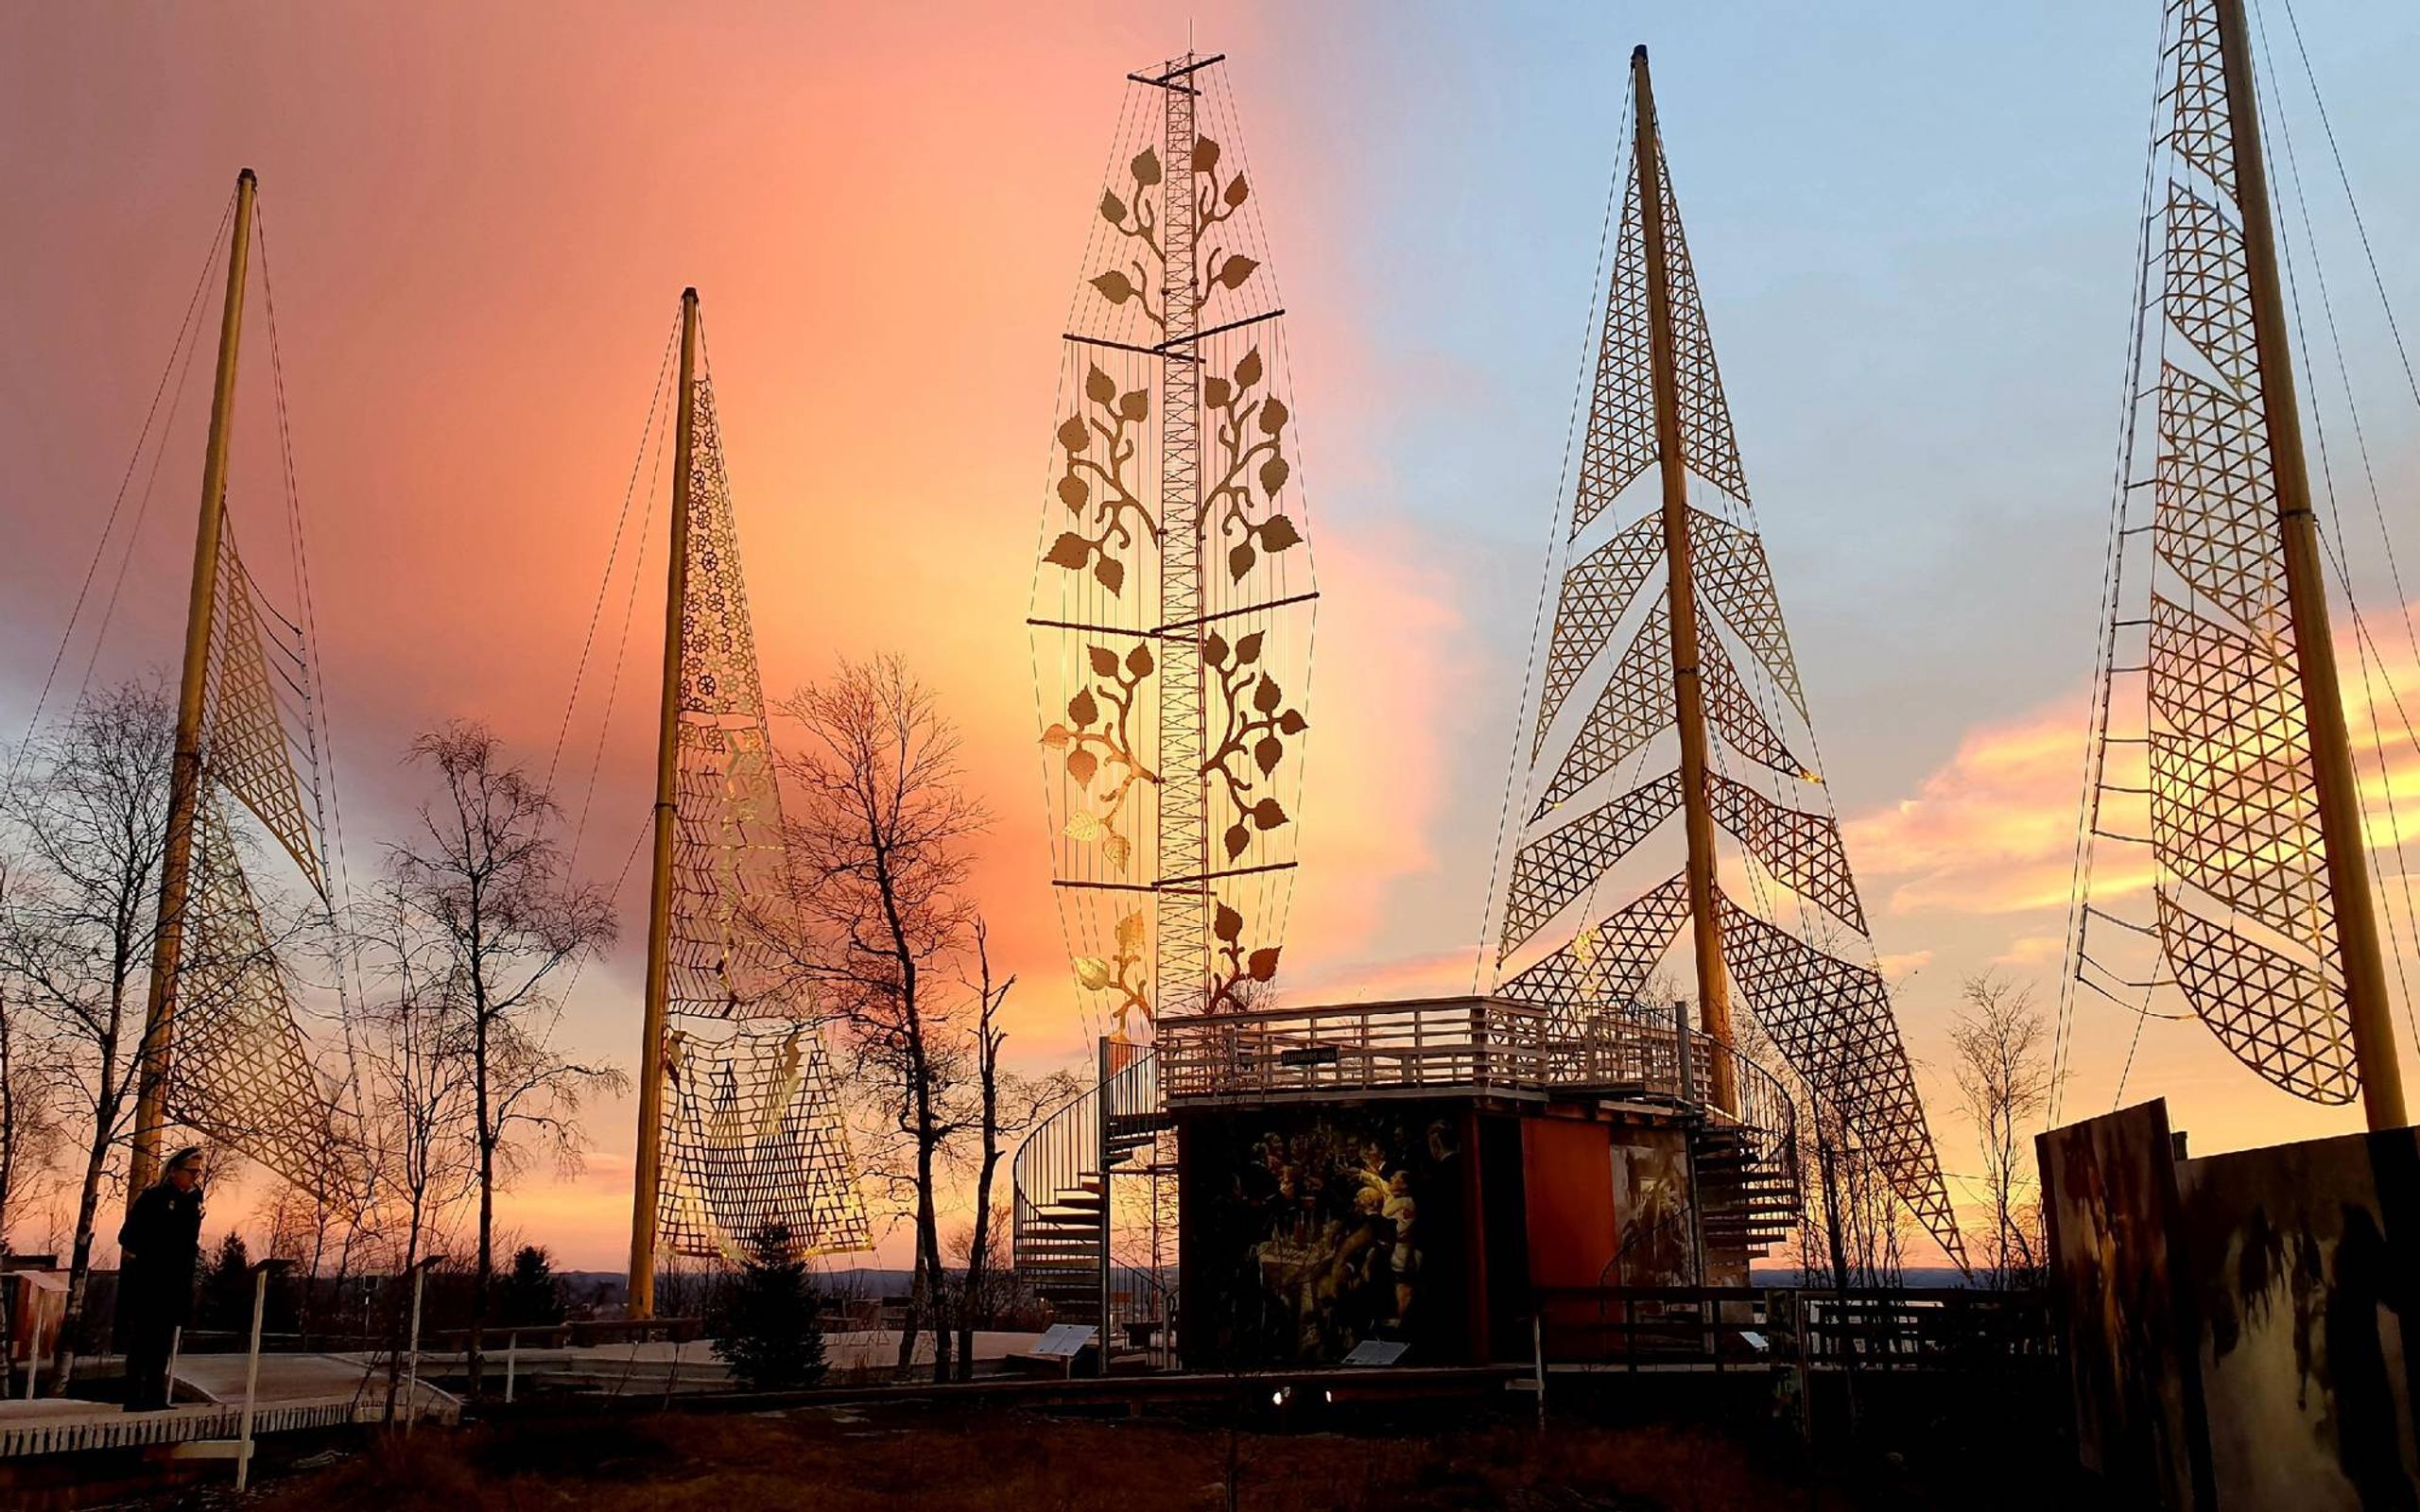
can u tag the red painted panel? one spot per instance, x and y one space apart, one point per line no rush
1567 1169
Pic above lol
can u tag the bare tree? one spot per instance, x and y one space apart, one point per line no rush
1006 1105
417 1080
482 885
29 1130
878 865
89 816
2003 1072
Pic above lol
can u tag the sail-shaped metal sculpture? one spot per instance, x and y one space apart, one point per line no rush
2220 770
742 1128
1171 607
242 1071
224 1052
1668 690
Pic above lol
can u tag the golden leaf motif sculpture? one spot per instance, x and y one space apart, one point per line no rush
1098 485
1136 219
1237 971
1258 721
1121 972
1098 750
1249 430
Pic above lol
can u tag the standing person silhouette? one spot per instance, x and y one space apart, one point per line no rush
159 1247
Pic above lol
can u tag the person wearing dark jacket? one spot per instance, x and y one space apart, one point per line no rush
159 1249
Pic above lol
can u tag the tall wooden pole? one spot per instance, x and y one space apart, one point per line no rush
1688 690
2338 789
185 772
649 1176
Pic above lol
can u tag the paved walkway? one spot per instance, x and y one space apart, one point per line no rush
318 1390
219 1378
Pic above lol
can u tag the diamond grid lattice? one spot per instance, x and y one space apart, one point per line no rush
753 1130
2282 1017
1620 441
1803 850
2234 811
1709 447
1734 710
1832 1021
1738 582
245 746
1604 966
1549 872
2233 818
1596 595
2198 125
1635 704
756 1144
240 1072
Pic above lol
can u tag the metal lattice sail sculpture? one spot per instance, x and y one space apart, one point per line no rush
1669 689
242 1071
2219 771
224 1052
740 1125
1172 605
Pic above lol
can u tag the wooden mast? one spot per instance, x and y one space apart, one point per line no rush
184 773
1688 692
649 1176
2338 789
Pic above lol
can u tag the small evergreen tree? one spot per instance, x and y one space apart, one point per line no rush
227 1287
767 1321
531 1293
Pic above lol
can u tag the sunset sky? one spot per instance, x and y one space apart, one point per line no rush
1913 224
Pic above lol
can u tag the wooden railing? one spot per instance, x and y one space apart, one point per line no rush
1475 1043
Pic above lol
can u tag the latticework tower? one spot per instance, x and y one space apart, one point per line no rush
1171 608
742 1128
224 1052
1669 690
2219 764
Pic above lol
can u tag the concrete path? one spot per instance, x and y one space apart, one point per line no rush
219 1378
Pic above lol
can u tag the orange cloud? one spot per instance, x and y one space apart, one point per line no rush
2031 950
1993 830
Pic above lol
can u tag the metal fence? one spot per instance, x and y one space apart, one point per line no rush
1720 1327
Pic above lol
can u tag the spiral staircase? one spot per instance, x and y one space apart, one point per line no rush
1062 1177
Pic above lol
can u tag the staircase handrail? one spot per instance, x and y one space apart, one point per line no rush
1065 1147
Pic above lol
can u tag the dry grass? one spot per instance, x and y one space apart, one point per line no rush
948 1459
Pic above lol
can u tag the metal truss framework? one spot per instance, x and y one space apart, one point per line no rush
2241 909
1603 968
1171 605
1832 1022
752 1132
1637 706
1829 1016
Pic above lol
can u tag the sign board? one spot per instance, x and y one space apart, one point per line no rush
1377 1351
1064 1341
1309 1055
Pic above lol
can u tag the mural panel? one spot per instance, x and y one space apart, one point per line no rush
2302 1295
1311 1229
2109 1193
